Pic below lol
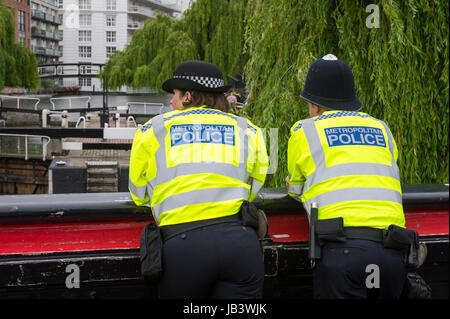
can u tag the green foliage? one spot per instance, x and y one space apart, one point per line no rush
400 69
18 65
210 31
283 39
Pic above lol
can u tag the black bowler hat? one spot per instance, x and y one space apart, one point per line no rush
196 75
330 84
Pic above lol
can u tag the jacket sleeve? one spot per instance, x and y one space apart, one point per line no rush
297 178
141 172
259 172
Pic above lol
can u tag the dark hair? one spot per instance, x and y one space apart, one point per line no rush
212 100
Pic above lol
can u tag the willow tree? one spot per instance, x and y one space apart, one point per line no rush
283 38
18 65
212 31
400 69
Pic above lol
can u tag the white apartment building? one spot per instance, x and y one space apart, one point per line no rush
94 29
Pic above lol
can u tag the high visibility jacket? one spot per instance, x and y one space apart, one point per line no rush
197 163
346 163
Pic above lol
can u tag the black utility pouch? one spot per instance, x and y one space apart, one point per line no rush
331 229
249 215
151 253
412 256
255 218
415 287
396 237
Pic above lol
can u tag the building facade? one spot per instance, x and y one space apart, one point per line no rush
45 34
22 16
94 29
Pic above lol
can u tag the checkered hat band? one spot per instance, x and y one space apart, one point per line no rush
203 80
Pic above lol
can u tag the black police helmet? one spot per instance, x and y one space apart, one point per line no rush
330 84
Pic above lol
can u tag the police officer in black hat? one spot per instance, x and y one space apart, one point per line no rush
344 162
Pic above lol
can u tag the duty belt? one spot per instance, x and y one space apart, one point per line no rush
367 233
170 231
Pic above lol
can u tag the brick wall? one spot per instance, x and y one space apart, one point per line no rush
24 6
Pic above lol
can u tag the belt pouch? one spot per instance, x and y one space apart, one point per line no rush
396 237
255 218
412 256
151 253
331 229
249 215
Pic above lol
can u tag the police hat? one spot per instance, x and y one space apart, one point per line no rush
196 75
330 84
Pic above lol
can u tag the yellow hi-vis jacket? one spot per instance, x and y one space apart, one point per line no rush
346 163
197 163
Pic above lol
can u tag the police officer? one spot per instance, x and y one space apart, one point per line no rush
345 162
194 167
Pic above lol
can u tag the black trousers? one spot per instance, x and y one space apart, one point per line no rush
359 269
222 261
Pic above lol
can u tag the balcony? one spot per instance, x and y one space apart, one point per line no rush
133 25
37 33
38 50
45 17
141 11
38 14
165 6
51 2
49 18
45 34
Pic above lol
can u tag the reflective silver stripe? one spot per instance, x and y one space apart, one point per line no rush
256 186
150 191
243 137
138 191
391 149
356 193
200 196
200 168
160 132
315 146
295 189
350 169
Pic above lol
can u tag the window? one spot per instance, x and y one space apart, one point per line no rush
110 36
110 20
85 69
84 4
84 81
84 36
60 4
110 51
21 21
84 52
110 4
85 19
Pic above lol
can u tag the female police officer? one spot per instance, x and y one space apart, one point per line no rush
195 166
